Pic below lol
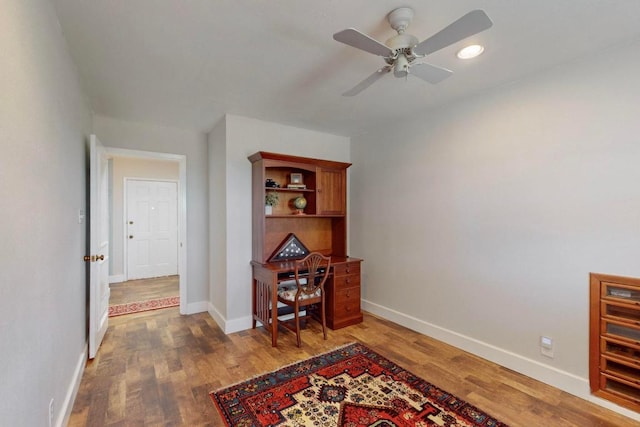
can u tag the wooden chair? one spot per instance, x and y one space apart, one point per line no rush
308 290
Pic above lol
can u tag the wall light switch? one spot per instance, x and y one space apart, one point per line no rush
81 216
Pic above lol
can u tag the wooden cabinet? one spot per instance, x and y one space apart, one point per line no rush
321 226
614 339
343 295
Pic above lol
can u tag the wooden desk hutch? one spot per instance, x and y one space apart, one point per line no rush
322 227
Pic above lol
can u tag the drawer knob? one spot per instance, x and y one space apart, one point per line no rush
347 281
348 270
348 294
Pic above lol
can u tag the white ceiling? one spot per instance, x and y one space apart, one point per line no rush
185 63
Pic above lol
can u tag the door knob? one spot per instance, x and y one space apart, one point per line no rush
131 236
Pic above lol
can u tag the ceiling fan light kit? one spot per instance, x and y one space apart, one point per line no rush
402 50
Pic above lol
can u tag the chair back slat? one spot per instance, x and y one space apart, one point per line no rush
315 267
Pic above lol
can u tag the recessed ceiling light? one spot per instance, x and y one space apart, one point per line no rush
470 51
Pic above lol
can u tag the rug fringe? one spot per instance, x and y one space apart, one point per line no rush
285 366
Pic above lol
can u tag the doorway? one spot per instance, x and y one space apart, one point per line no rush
151 228
147 166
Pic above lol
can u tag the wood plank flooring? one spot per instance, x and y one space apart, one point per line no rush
144 289
157 368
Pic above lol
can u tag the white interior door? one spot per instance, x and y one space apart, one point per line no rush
98 245
152 228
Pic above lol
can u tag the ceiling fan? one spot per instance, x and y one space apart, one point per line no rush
402 50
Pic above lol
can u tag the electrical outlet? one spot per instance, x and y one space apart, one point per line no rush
546 346
51 413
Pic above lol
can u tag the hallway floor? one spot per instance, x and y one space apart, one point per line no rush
144 289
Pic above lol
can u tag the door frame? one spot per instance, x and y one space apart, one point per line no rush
125 206
182 207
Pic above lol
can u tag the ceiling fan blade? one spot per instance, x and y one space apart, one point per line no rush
470 24
367 82
355 38
429 73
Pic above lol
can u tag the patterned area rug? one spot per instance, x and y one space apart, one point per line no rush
351 386
136 307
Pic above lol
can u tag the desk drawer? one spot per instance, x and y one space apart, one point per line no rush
347 295
349 268
348 308
346 282
346 303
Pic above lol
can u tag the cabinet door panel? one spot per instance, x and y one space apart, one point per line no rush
331 191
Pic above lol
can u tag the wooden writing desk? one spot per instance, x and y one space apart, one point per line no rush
342 296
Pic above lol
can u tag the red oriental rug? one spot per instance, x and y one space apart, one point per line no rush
351 386
136 307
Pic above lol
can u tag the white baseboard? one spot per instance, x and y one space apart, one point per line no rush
196 307
216 316
229 326
560 379
237 325
67 406
117 278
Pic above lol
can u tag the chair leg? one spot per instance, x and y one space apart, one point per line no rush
297 316
324 319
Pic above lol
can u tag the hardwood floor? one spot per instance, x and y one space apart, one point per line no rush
157 368
144 289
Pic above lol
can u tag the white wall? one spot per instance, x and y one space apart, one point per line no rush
479 223
123 167
146 137
244 137
44 124
217 140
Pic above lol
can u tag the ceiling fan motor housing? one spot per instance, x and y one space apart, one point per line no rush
402 43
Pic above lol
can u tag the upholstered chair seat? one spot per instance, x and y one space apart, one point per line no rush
288 292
